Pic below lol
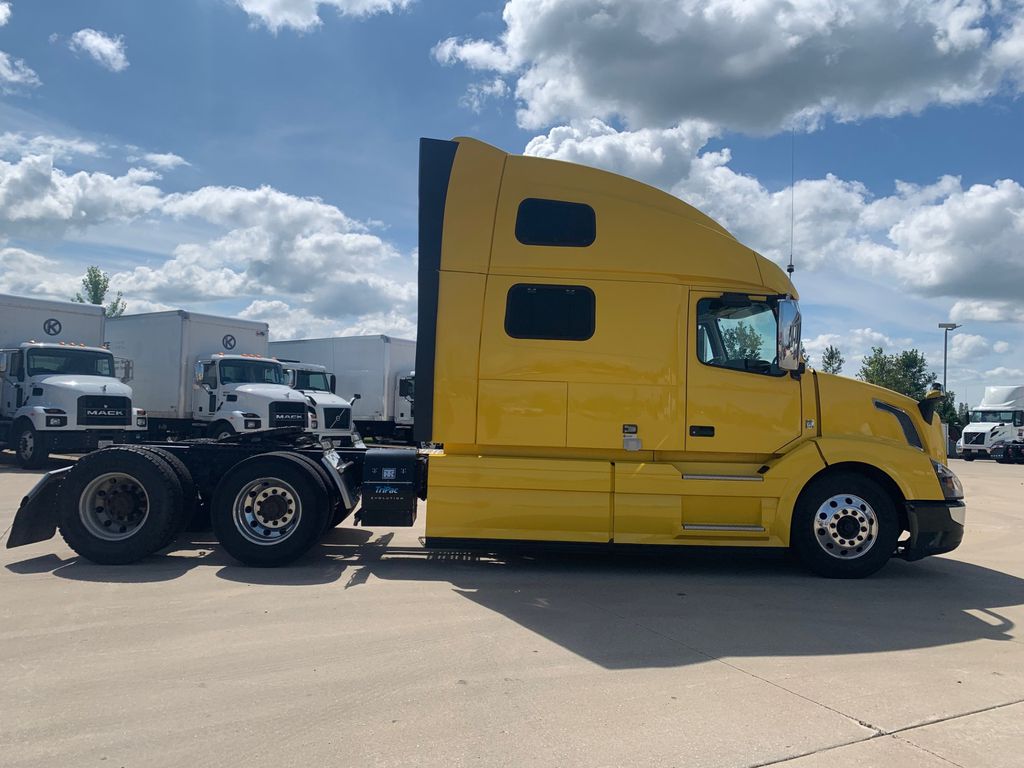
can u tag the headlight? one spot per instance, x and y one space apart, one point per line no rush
952 488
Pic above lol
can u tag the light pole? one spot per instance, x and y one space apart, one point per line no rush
946 327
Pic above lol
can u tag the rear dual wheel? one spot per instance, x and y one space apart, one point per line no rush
120 504
270 509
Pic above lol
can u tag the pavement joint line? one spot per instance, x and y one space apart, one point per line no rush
936 755
896 732
862 723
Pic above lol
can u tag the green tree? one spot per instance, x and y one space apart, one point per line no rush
905 372
742 342
832 360
95 284
947 410
963 414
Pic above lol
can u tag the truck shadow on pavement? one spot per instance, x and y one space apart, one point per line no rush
637 611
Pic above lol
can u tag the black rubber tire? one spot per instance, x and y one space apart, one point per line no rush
221 428
336 512
802 538
41 453
313 500
189 497
967 457
165 499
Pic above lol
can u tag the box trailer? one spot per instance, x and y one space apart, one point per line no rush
204 375
376 373
59 389
577 356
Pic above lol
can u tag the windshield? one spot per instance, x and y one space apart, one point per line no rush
1008 417
79 362
250 372
316 380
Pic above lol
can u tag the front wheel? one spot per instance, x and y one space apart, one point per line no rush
30 447
845 526
222 431
967 457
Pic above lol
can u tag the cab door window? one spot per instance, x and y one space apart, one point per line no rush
740 334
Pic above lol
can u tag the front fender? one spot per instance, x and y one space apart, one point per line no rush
910 468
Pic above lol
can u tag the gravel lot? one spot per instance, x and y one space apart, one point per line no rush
372 652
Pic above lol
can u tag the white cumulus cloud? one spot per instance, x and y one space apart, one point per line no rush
15 74
5 13
304 15
107 51
746 65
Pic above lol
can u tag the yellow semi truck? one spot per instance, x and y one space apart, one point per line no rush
605 366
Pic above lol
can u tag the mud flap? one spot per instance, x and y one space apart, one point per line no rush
36 519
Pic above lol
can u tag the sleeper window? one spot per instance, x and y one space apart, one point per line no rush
562 312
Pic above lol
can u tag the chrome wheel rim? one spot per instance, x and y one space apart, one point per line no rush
113 506
845 527
266 511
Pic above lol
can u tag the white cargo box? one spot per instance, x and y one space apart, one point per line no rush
366 365
23 319
164 348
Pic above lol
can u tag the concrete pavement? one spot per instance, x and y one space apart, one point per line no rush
373 652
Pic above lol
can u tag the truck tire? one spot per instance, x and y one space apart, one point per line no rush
189 497
30 447
336 511
221 430
967 457
119 505
845 526
269 510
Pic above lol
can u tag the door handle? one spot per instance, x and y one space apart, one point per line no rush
699 430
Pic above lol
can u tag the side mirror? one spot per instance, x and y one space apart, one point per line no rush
334 384
789 335
199 374
354 397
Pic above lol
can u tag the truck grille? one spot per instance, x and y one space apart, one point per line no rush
337 418
288 414
100 410
974 438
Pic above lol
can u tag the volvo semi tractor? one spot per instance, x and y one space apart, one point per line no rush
605 365
331 418
203 375
58 388
374 372
997 420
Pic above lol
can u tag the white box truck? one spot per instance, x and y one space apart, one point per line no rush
332 419
997 420
374 372
58 387
199 374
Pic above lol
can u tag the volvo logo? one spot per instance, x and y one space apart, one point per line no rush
228 341
52 326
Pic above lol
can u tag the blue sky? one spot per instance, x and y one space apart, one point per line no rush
221 154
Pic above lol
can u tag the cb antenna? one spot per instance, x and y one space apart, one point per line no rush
792 206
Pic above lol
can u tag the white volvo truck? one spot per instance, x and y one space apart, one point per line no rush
374 372
997 420
332 419
58 387
203 375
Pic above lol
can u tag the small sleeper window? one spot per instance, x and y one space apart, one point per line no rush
556 312
555 222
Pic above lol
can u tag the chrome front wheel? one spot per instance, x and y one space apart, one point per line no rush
845 526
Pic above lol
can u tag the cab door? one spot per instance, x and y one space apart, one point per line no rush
738 400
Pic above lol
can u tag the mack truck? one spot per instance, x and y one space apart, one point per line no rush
202 375
59 391
374 372
996 427
577 357
332 415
